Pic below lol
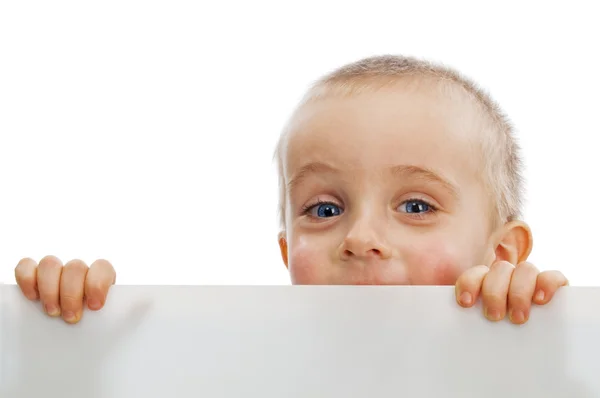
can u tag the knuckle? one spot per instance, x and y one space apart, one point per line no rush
96 286
526 274
102 263
49 296
70 301
494 297
25 262
550 279
472 278
527 265
519 299
523 279
25 280
501 265
467 284
76 264
104 268
24 274
462 280
50 262
544 278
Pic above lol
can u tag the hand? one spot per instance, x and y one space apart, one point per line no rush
64 290
506 288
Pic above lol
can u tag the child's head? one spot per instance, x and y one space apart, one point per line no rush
398 171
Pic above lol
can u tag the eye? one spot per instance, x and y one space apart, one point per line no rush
415 206
324 210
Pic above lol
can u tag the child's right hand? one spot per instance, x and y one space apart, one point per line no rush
64 290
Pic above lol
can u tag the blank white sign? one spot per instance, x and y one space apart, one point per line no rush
297 341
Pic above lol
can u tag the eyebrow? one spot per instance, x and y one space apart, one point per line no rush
399 170
308 169
426 175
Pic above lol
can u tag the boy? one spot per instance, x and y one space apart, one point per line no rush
392 171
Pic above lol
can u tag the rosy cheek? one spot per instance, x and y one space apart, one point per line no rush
304 260
436 265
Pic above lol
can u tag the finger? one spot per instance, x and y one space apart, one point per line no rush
494 290
48 281
100 278
72 284
520 293
548 282
26 276
468 285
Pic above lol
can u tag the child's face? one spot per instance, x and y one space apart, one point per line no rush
385 188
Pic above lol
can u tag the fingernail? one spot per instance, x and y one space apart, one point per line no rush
465 298
492 315
94 304
69 316
517 316
539 296
52 310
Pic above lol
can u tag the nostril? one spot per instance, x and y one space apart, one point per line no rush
372 252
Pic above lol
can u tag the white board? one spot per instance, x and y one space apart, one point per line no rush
298 342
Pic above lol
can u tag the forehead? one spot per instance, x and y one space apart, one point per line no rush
420 126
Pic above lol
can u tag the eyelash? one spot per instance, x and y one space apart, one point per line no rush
307 208
432 208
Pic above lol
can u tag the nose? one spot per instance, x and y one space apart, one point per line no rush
364 242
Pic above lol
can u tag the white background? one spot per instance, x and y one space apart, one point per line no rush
143 132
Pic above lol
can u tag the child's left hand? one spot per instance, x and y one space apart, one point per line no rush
506 288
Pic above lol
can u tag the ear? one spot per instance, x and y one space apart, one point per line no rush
283 247
514 243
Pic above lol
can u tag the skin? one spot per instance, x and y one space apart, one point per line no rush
385 188
366 205
65 290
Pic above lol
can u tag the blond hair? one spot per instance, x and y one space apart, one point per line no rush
500 154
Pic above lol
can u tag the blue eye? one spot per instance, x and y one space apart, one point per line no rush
324 210
416 207
328 210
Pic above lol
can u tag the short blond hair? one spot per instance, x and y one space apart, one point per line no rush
500 151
